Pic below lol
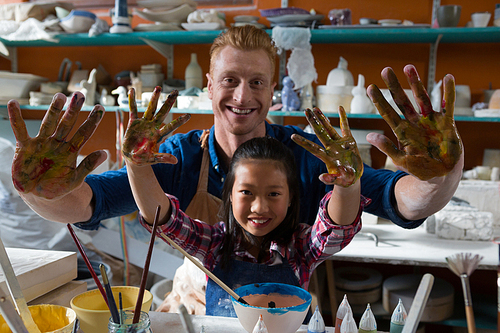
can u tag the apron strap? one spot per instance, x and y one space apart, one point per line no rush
203 179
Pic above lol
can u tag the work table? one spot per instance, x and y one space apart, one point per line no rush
414 247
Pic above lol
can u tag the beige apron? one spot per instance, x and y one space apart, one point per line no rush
189 281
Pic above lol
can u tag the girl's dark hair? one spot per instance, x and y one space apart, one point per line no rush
263 148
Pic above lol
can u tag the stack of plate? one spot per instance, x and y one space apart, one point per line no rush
291 17
248 20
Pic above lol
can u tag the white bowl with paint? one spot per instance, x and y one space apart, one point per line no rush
292 304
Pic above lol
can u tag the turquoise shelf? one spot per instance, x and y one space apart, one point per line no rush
338 35
271 113
406 35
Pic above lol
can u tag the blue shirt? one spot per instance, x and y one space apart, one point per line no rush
113 196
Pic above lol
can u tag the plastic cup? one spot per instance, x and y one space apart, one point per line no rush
93 313
480 19
449 15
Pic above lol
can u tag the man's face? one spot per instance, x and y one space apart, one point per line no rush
241 89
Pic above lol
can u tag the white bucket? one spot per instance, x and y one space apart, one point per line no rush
329 98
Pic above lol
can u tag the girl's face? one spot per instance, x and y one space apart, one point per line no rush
260 196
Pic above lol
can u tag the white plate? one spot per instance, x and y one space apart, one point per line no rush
369 26
389 22
255 24
202 26
294 18
157 27
178 14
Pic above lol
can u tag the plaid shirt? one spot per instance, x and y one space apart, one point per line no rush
310 245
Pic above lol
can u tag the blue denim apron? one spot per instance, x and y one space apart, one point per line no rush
218 301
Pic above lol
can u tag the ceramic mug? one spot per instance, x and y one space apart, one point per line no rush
449 15
480 19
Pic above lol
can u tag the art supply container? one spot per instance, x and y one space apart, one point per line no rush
143 326
49 318
93 312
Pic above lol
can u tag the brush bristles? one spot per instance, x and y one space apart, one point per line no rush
463 263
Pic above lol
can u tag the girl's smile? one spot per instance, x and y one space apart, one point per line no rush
260 196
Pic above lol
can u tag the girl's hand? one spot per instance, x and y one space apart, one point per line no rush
144 135
428 142
45 165
340 153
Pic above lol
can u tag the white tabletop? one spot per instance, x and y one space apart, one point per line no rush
400 246
171 322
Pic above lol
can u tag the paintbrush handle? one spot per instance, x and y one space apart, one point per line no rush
469 312
16 292
109 293
203 268
87 262
471 324
144 277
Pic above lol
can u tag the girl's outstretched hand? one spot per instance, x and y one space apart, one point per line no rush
144 135
340 153
428 142
46 165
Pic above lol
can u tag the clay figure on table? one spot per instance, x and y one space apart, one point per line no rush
240 85
289 98
260 237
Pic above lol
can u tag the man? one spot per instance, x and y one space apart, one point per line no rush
240 85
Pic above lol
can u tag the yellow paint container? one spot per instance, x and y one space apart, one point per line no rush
49 318
93 313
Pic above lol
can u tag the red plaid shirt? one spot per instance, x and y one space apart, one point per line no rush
310 245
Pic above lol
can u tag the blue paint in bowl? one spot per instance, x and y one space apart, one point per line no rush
282 320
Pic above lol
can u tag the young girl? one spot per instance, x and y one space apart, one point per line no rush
259 238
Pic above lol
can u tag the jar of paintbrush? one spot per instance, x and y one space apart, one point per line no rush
125 325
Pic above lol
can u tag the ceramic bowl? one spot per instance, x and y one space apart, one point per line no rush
93 313
279 319
49 318
77 21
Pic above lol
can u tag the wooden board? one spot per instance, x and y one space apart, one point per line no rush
40 271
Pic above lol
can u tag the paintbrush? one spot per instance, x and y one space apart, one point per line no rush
121 307
16 292
142 287
10 314
498 292
205 270
463 265
87 262
185 319
109 292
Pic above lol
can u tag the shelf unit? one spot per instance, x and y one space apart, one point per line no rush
163 41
